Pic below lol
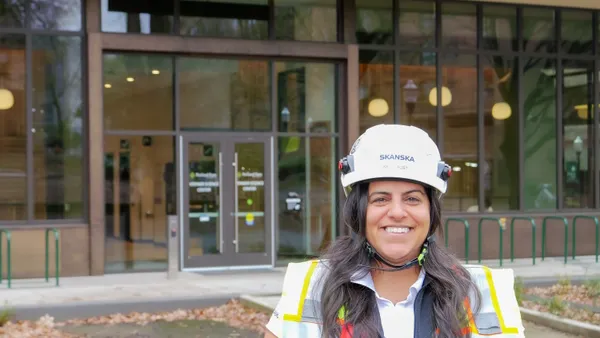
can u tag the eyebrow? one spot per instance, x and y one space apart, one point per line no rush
404 193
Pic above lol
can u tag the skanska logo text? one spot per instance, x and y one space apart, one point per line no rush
386 157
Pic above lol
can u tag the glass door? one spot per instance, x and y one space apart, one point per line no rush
227 201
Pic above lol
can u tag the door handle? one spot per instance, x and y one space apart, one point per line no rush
235 211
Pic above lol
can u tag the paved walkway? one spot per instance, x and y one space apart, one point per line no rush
155 286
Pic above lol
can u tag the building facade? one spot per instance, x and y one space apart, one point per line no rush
228 117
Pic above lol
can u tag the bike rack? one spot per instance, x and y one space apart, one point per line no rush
8 268
466 224
497 220
512 236
56 252
595 219
564 219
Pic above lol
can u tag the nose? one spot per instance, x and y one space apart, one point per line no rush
397 210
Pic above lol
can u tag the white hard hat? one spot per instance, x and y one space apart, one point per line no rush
394 151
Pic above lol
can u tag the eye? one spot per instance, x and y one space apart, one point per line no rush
413 199
378 200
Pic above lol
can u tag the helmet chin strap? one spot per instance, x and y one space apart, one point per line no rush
419 260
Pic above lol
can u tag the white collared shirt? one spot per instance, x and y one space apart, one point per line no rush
398 320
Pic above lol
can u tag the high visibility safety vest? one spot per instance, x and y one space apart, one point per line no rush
296 313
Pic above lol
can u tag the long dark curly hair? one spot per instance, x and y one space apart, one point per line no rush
450 282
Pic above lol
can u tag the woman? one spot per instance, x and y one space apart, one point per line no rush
391 278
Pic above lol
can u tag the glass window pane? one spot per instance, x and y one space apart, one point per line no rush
251 205
12 15
459 26
13 129
140 192
56 14
138 92
224 94
58 137
376 88
417 79
308 21
307 191
578 123
501 142
538 30
417 23
576 32
539 93
146 17
204 199
459 102
246 19
500 28
306 97
374 21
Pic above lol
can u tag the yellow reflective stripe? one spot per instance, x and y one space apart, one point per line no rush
298 316
490 280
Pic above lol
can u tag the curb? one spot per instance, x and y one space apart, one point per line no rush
89 309
255 303
560 324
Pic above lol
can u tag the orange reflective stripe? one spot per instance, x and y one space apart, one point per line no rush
467 305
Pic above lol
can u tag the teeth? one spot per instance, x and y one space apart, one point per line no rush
397 230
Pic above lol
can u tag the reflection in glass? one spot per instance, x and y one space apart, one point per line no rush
539 93
459 26
246 19
578 123
204 186
139 184
307 21
12 15
307 196
374 22
499 28
417 23
145 17
417 79
224 94
57 108
501 142
138 92
56 14
306 97
538 30
376 81
576 32
250 197
459 75
13 131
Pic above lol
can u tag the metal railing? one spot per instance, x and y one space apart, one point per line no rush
56 254
466 224
566 223
531 220
512 236
595 219
6 234
501 240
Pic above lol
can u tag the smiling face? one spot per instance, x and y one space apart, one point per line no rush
398 219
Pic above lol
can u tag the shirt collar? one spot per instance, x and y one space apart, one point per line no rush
365 279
